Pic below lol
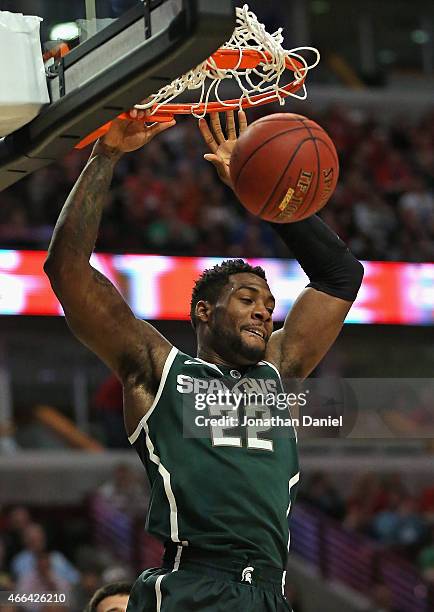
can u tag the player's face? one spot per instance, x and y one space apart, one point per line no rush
242 319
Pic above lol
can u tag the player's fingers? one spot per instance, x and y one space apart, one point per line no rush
207 136
230 125
242 121
217 128
162 126
136 114
157 128
123 127
211 158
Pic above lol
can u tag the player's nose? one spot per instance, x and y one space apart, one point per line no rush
261 313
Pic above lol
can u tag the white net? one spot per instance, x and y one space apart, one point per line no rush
265 80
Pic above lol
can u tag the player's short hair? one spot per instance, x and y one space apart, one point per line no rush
108 590
210 283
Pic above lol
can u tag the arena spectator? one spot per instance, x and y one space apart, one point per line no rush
81 593
124 492
35 543
111 597
321 493
426 559
385 524
367 492
411 531
42 579
6 583
426 504
17 519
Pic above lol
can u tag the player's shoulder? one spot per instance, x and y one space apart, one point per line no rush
180 360
185 356
196 364
266 363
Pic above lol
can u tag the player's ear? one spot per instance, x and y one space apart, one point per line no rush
203 311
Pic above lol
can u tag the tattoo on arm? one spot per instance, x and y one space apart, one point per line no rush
76 230
95 310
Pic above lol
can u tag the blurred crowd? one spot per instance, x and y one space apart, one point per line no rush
42 555
76 555
382 508
166 199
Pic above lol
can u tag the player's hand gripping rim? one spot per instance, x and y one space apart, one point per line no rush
124 136
222 146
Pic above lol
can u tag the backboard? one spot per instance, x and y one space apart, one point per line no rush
118 53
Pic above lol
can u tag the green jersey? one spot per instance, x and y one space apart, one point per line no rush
223 477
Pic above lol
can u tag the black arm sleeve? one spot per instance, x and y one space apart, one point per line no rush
324 257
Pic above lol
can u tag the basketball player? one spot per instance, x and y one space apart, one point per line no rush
220 500
111 597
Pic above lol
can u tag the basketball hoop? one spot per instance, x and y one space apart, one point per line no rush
253 59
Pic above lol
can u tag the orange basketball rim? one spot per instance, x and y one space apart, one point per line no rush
227 59
254 59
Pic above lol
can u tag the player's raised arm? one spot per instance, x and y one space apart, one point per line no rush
317 316
335 275
95 311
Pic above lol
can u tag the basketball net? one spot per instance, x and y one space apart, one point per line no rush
263 78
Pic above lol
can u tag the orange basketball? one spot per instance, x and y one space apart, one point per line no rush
284 168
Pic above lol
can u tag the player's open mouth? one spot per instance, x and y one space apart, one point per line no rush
259 333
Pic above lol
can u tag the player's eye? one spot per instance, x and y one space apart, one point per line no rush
270 310
247 300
